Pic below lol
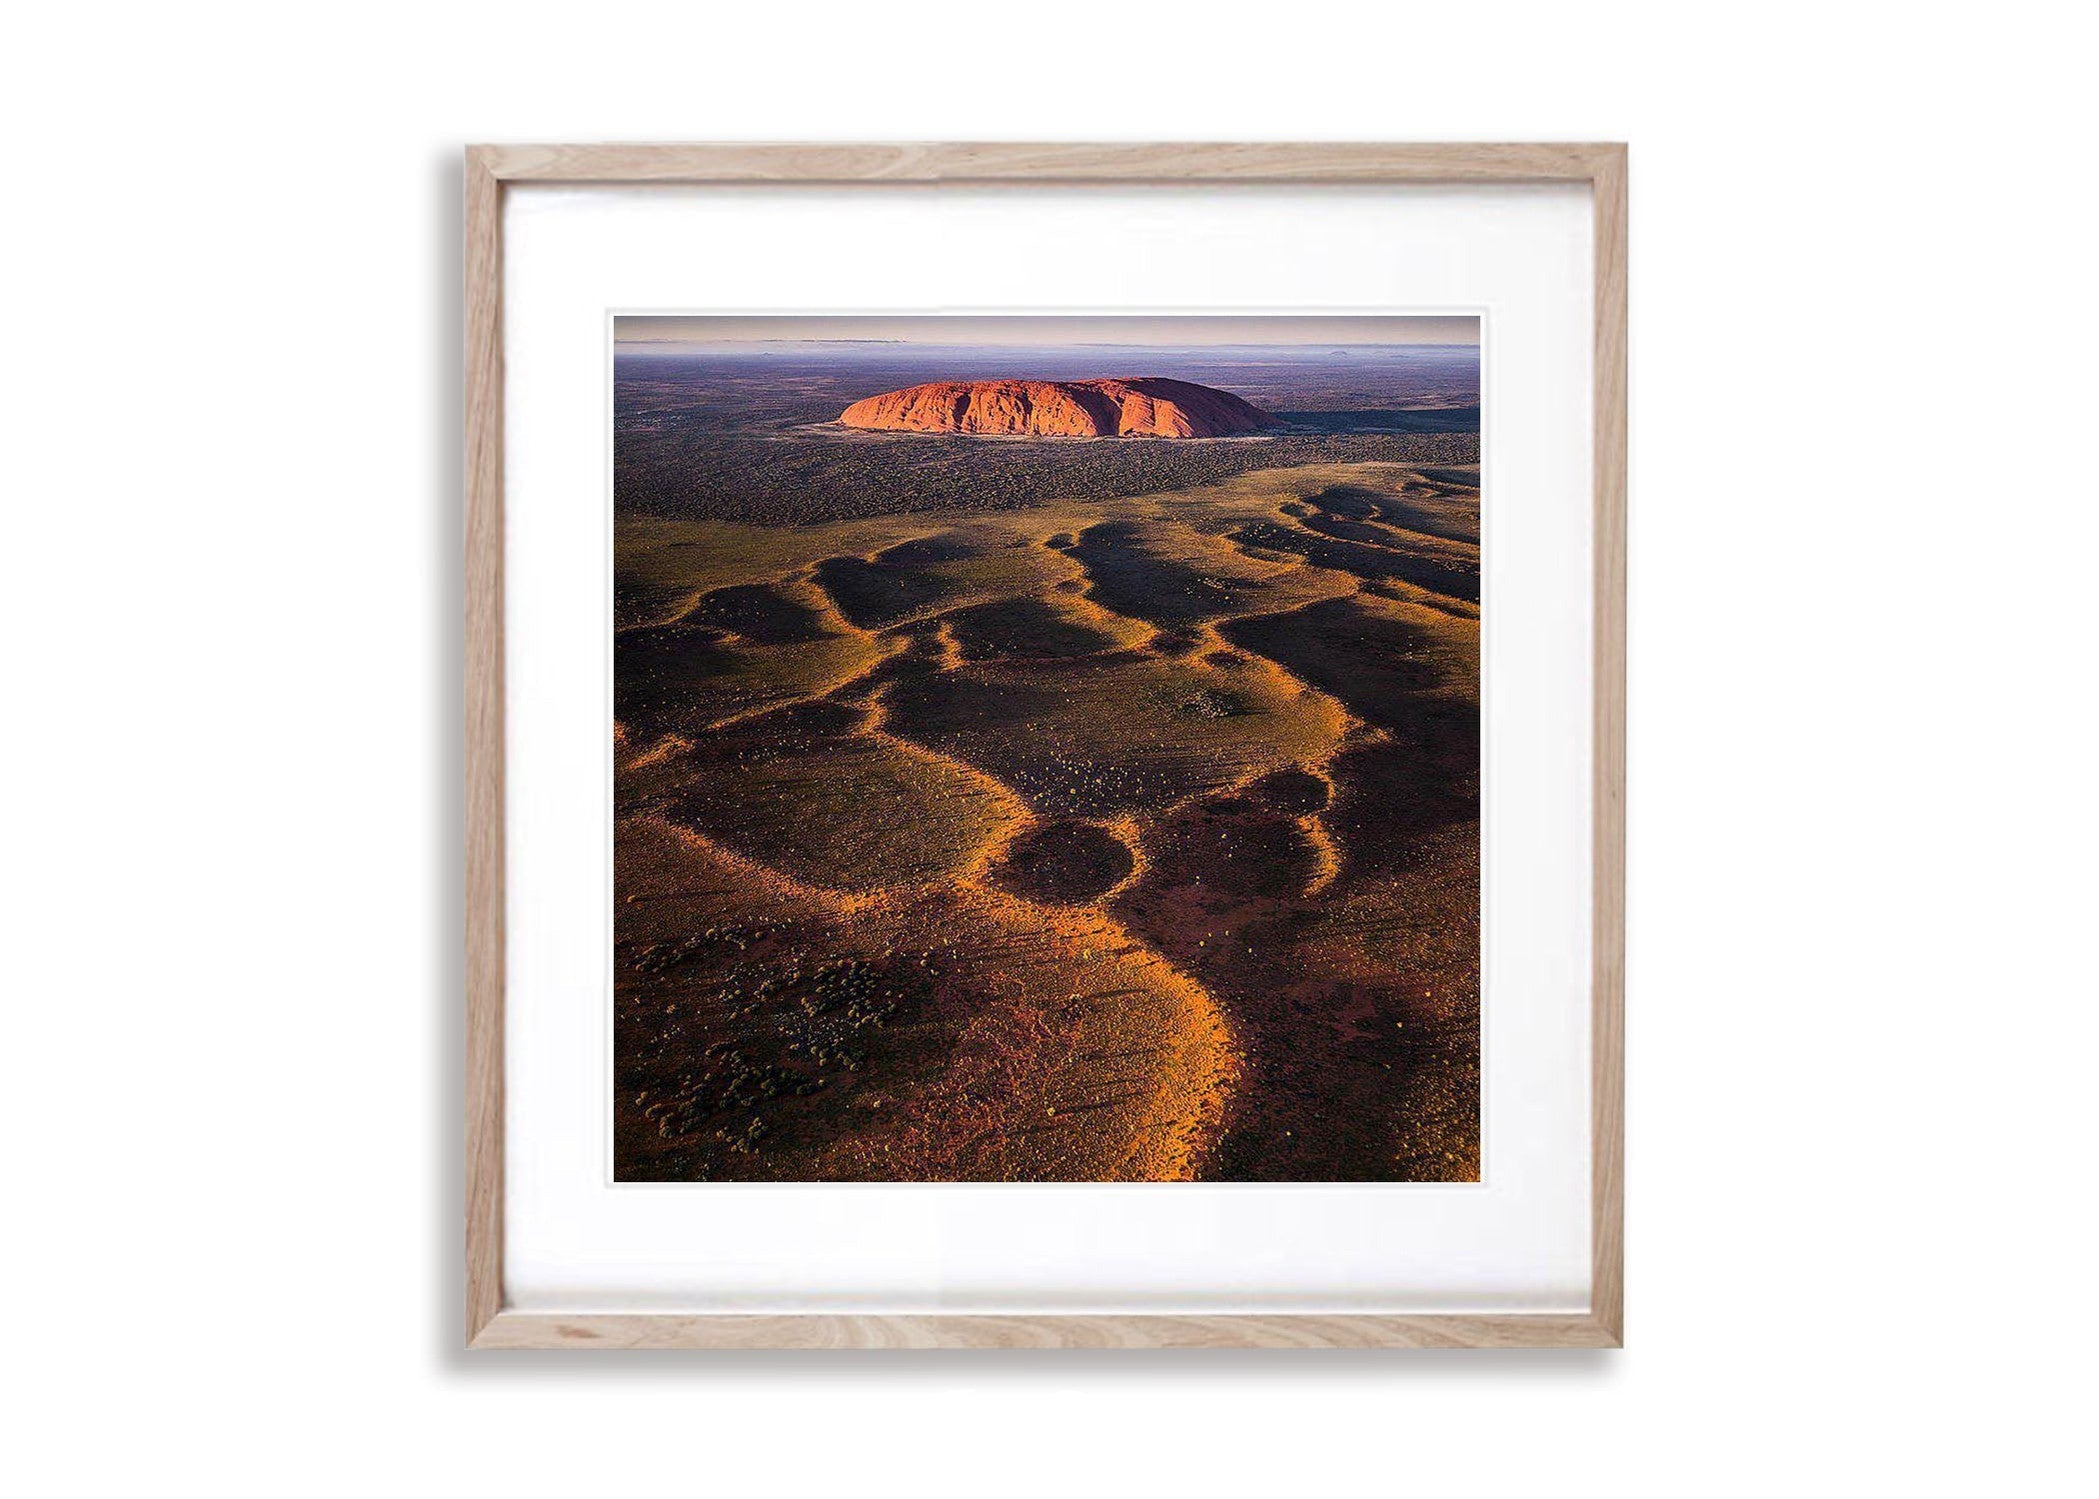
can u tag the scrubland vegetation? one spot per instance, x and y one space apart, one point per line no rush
1104 837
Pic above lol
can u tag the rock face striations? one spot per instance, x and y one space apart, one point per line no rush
1061 408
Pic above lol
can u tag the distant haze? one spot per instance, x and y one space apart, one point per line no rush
646 334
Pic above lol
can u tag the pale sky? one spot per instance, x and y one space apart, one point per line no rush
1049 330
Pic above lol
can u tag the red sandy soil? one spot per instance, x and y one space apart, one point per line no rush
1112 840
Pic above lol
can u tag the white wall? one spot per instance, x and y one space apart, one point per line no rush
1862 1011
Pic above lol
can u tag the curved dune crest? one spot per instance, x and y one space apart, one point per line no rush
1061 408
1123 840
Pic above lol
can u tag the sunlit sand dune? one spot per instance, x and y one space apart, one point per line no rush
1115 839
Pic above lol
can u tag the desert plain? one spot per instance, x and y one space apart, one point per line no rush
1046 809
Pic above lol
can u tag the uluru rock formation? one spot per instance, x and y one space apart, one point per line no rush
1142 407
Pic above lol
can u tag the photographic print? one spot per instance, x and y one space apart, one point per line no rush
1046 749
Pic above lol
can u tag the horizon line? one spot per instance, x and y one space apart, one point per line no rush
1053 330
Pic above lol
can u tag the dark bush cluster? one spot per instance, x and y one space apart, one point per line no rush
1210 703
662 957
798 479
794 1027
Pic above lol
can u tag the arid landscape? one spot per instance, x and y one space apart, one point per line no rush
993 805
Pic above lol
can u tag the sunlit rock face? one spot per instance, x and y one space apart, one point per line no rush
1061 408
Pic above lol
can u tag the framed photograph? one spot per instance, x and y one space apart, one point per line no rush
1045 745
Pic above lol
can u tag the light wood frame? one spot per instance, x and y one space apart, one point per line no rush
490 171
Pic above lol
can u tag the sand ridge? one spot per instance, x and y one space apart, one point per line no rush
1082 940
